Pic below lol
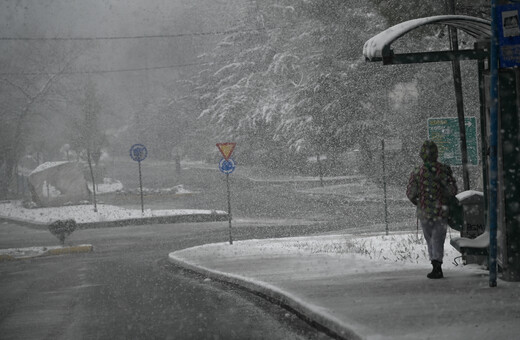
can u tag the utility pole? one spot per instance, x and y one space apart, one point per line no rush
493 147
457 81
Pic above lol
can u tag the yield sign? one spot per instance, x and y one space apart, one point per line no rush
226 149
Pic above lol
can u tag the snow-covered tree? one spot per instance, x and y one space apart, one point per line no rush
291 81
87 137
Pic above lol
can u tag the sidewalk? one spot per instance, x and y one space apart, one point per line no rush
355 297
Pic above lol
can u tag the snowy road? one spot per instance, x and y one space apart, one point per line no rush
126 290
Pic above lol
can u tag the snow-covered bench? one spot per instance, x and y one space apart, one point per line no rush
472 246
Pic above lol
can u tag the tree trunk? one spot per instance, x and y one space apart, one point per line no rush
89 160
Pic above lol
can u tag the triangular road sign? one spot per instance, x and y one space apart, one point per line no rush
226 149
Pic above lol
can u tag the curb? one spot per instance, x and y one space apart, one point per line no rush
156 220
7 258
127 222
83 248
326 323
25 223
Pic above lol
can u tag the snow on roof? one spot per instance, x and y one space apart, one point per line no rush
48 165
379 45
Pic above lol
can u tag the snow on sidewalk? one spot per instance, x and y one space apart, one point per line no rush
396 249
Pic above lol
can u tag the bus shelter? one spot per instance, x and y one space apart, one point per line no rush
379 49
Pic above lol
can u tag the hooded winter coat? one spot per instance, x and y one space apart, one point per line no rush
431 185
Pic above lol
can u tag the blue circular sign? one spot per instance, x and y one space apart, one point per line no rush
227 166
138 152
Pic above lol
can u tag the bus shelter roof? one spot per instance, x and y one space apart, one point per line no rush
378 48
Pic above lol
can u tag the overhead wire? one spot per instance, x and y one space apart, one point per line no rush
153 36
150 68
156 36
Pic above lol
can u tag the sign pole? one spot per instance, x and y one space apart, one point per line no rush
138 153
227 166
384 184
229 209
141 187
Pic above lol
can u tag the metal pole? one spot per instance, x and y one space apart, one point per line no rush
493 144
384 184
141 187
483 132
229 209
457 82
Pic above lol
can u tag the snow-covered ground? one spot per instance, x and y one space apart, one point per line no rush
14 210
372 285
114 186
397 248
108 185
86 214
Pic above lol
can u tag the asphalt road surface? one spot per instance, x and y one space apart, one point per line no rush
126 289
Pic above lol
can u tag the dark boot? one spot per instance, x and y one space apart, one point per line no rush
437 270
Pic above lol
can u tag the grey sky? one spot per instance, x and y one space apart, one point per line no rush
151 58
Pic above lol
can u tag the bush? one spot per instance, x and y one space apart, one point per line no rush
62 228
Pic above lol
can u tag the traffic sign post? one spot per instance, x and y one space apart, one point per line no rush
227 166
446 134
138 153
384 184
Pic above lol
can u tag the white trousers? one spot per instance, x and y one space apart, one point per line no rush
435 234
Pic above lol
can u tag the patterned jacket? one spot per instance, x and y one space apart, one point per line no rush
430 186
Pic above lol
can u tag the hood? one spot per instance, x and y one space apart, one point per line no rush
429 152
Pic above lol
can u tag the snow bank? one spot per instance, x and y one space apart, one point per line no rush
86 213
398 248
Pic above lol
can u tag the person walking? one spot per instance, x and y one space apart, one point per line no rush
430 186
